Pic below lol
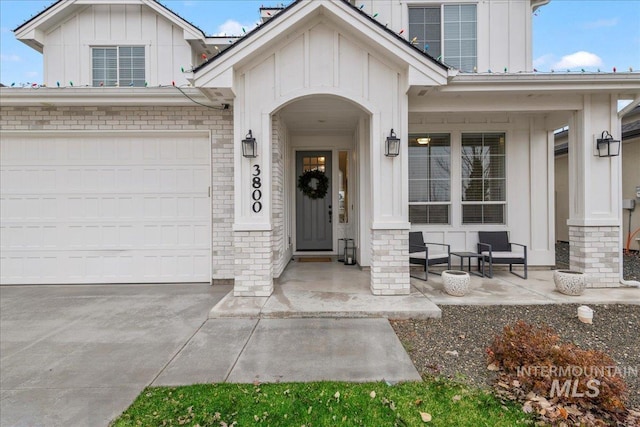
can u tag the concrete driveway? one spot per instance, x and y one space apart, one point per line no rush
79 355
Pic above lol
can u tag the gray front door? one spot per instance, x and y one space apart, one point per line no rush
314 231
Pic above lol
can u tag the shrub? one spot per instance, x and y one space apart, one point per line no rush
540 363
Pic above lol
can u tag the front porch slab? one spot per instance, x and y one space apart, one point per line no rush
326 289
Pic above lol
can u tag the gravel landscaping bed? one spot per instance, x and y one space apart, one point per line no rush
455 345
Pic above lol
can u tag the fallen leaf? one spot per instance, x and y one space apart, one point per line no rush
516 383
456 398
493 367
373 394
451 352
527 408
462 336
309 410
503 385
426 417
337 395
563 413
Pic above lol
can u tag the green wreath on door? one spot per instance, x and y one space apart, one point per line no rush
321 187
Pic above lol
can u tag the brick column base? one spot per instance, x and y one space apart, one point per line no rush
596 252
253 267
390 262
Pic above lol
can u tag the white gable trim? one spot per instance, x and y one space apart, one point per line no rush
422 70
32 32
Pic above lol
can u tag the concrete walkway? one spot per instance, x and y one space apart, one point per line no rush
79 355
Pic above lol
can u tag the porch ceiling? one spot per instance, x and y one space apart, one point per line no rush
320 114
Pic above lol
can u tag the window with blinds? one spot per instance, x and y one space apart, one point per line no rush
483 178
429 178
123 66
448 31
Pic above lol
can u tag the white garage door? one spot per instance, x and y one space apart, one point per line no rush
105 208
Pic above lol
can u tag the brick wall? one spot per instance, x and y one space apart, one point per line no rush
219 122
253 266
390 262
595 251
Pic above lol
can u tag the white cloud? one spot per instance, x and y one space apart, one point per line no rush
601 23
230 28
543 61
10 58
579 59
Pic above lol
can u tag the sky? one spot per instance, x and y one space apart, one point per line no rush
567 34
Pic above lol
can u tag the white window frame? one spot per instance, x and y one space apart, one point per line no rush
437 203
442 30
483 203
116 47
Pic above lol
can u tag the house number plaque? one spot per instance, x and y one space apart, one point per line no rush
256 184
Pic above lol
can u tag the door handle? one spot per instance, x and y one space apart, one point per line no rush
330 216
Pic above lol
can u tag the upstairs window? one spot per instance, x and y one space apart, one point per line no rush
450 31
123 66
484 193
429 178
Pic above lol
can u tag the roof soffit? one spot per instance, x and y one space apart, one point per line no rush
304 14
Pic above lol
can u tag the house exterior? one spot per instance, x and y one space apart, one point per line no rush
630 181
127 164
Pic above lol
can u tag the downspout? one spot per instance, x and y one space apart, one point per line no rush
634 283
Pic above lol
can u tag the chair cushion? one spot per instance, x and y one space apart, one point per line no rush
504 255
421 255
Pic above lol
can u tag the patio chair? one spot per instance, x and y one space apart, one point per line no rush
419 253
497 249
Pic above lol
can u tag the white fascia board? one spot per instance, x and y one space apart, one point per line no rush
623 82
31 33
190 32
89 96
223 79
420 78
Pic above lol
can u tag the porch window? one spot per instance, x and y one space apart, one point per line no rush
450 31
429 178
483 178
123 65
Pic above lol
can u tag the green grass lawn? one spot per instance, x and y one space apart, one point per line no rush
321 404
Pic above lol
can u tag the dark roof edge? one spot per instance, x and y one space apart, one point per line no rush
286 9
155 1
396 35
247 36
37 15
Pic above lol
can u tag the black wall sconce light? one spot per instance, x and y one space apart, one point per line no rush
249 146
607 146
392 145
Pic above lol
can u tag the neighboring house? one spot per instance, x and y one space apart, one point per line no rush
630 153
132 170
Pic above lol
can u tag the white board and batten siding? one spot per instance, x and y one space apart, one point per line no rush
105 208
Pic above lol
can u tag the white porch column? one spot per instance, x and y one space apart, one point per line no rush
594 205
390 201
252 228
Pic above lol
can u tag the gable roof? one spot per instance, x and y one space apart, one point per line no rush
289 9
31 32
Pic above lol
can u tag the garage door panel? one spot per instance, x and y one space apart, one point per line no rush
98 208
